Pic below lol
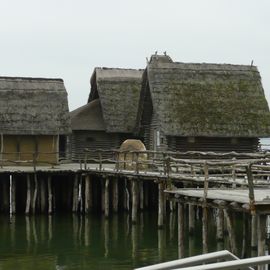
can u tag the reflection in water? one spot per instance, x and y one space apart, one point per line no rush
93 242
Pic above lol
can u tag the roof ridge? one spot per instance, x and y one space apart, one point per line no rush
30 78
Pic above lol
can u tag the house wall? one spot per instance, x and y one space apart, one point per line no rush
94 140
22 147
212 144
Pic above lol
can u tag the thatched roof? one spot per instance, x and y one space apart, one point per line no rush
88 117
207 99
119 92
34 106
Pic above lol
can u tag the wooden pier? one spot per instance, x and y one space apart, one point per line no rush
112 181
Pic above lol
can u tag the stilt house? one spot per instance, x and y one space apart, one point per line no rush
110 115
204 107
34 119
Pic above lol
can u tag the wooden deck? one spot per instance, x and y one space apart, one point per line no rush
237 199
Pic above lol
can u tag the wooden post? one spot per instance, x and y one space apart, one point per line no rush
205 229
34 202
191 219
161 205
231 232
180 230
141 196
220 225
88 194
115 195
146 195
126 195
28 195
261 232
75 194
254 240
134 201
42 195
80 199
107 198
50 197
12 195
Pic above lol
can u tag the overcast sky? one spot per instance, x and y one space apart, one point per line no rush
68 38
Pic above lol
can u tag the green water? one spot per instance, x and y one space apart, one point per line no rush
91 242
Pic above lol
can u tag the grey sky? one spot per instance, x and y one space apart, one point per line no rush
67 39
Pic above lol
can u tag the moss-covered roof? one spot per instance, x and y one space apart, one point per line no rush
88 117
208 99
33 106
119 92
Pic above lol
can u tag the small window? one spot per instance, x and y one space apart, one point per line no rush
90 139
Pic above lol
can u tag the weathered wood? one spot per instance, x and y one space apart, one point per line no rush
88 194
42 196
134 214
50 196
28 194
80 199
191 219
115 195
261 232
35 193
75 194
254 239
107 198
205 229
180 230
161 205
12 195
229 222
220 225
141 195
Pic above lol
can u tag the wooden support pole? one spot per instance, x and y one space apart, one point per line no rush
28 194
180 230
75 194
191 219
161 205
50 197
88 194
126 196
12 195
254 239
80 198
115 195
220 225
42 196
107 198
261 232
146 195
34 201
134 215
141 196
229 221
205 229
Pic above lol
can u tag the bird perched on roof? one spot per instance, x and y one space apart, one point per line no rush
165 53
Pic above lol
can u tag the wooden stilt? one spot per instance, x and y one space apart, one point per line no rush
146 195
220 225
261 232
161 205
102 182
126 196
12 195
75 194
107 198
134 201
180 230
244 238
205 229
254 239
80 198
28 194
42 196
191 219
231 232
141 195
50 197
34 201
88 193
115 195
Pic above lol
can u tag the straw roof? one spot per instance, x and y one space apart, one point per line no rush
88 117
119 92
33 106
216 100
